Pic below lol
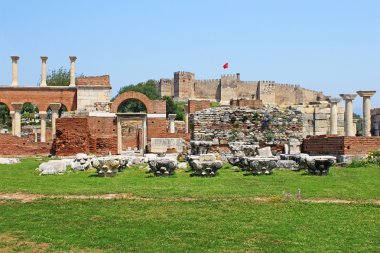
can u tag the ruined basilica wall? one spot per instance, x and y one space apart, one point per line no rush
88 96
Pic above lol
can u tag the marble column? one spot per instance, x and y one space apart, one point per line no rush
14 70
54 109
72 70
145 135
186 119
17 118
43 116
366 95
334 115
348 114
119 136
43 71
171 118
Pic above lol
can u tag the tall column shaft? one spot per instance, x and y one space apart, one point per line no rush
72 70
43 71
54 109
334 119
17 119
14 70
43 126
171 118
366 116
348 114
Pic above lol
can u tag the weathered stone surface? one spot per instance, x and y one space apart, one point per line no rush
243 148
287 164
294 146
204 165
182 165
107 166
81 162
200 147
265 152
9 160
52 167
161 145
261 165
162 166
320 165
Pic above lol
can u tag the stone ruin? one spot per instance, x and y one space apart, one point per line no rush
204 165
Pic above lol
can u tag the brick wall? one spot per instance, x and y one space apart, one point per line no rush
94 81
198 105
246 102
17 146
340 145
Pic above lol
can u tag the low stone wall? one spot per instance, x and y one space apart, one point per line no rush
246 102
340 145
17 146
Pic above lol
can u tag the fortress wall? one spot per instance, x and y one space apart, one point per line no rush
311 95
246 90
266 92
166 87
285 94
207 89
229 87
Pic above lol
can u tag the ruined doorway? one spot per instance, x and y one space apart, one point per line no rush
131 132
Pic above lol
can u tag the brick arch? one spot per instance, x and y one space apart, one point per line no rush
132 95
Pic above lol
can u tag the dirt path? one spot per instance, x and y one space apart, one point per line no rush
26 197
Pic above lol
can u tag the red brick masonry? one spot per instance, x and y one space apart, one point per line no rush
340 145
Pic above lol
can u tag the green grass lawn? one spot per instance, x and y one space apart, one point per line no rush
189 214
344 183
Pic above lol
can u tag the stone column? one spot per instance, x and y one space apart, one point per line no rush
145 135
171 118
43 116
17 118
14 70
12 115
354 123
348 114
186 120
119 136
334 115
366 95
43 71
54 109
72 70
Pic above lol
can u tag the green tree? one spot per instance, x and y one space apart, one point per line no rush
5 119
59 77
147 88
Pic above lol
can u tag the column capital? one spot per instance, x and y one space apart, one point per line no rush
17 106
348 96
44 58
172 117
15 58
334 100
73 58
55 106
43 115
366 93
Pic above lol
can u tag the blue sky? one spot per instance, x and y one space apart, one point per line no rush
331 46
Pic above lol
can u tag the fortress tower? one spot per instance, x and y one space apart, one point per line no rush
183 85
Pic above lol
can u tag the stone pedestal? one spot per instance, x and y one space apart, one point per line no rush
14 70
366 95
43 71
334 115
17 118
54 109
72 70
171 118
348 114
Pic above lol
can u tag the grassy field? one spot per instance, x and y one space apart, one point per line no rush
188 214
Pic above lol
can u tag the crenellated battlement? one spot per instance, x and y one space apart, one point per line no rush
229 86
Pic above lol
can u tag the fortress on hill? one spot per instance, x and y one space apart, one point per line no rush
184 86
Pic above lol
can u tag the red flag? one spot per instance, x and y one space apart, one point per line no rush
225 66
